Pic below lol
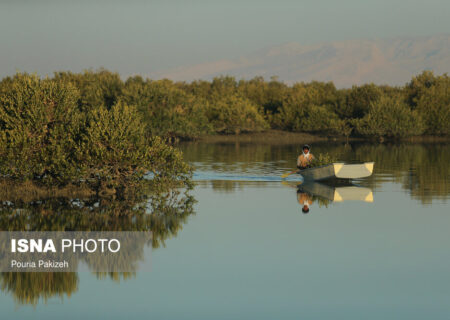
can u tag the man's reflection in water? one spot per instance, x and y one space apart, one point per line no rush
305 200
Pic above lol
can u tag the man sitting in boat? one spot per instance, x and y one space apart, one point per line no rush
304 160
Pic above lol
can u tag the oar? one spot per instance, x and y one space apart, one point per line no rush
288 174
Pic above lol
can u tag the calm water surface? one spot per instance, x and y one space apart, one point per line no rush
247 251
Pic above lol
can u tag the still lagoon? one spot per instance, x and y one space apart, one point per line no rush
378 248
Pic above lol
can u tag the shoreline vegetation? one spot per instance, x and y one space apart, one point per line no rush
273 136
49 135
94 128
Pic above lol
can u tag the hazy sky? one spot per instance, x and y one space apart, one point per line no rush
147 36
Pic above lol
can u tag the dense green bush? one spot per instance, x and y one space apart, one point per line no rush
434 107
40 125
272 97
430 96
233 115
167 110
418 86
117 151
306 110
310 118
101 88
390 117
46 137
358 99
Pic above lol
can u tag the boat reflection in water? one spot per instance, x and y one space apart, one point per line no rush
326 193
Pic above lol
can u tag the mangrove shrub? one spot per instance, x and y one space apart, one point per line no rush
430 96
168 111
46 136
101 88
234 114
40 129
390 117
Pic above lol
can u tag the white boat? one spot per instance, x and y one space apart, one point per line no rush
338 193
338 170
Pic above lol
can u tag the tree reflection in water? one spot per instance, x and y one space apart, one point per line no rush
28 208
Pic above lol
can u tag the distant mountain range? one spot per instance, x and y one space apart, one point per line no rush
382 61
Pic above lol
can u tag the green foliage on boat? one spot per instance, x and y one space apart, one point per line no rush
324 158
